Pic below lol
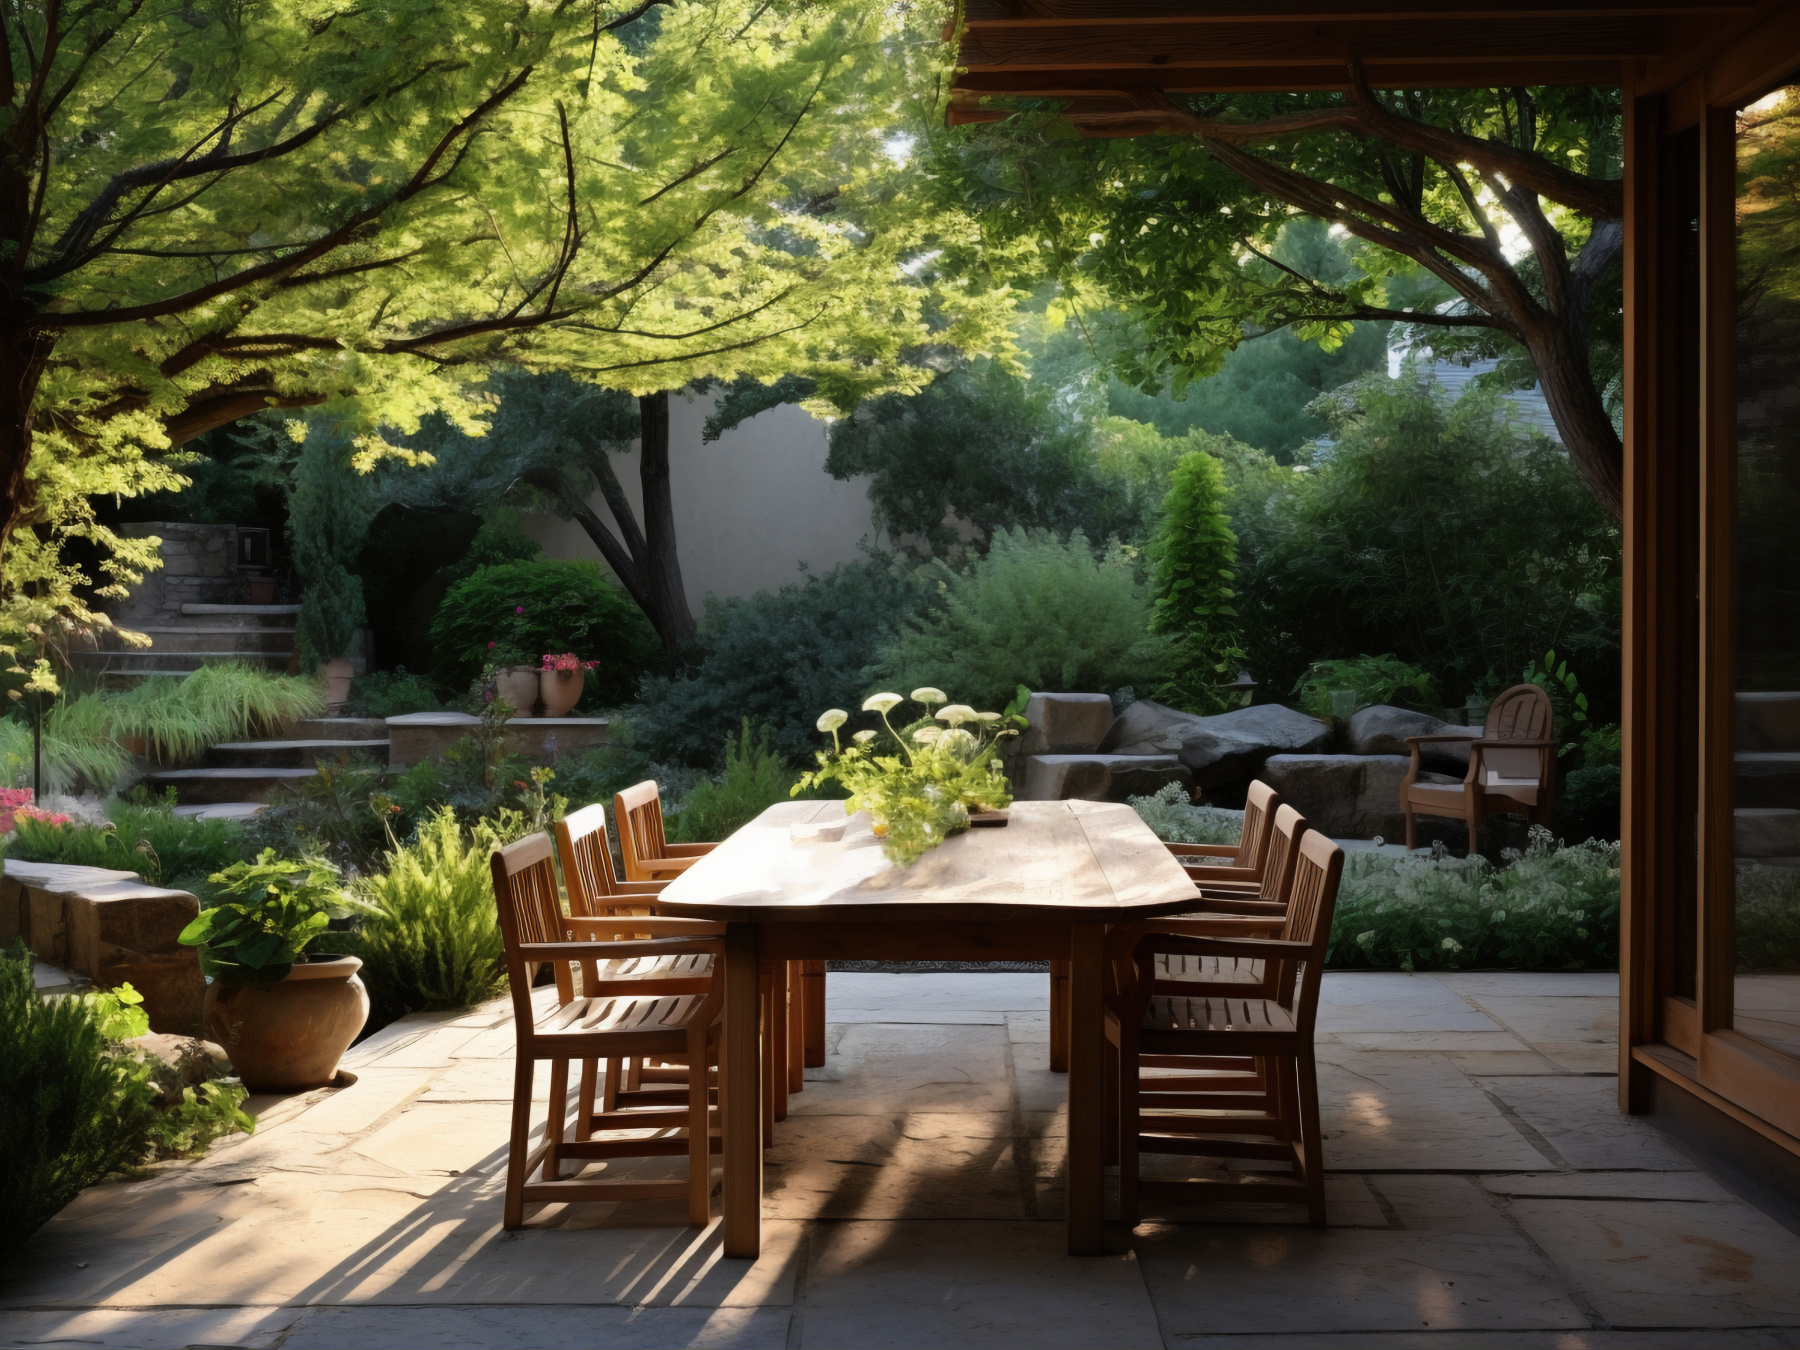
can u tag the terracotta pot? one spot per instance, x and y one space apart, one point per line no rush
133 745
289 1036
338 675
518 685
262 590
560 690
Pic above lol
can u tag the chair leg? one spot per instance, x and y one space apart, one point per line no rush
699 1132
1110 1081
584 1101
1474 833
609 1092
1312 1152
1410 822
559 1115
519 1145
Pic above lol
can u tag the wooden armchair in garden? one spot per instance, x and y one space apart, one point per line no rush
1512 768
1248 856
609 1018
645 851
1234 1071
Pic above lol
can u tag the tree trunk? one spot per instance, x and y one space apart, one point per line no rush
660 565
1580 415
23 356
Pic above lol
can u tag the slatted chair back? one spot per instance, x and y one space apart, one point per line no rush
1259 813
638 811
1318 868
1522 713
587 866
1288 829
530 911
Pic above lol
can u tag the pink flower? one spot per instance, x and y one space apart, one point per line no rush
518 609
35 813
492 645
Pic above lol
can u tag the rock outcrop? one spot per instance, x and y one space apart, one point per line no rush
1345 796
1383 729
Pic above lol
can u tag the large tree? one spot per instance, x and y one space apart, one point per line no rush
208 211
1490 220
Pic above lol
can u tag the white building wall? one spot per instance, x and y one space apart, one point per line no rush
749 508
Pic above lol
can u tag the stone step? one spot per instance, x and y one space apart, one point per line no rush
212 786
291 754
1099 778
220 811
1768 778
339 729
417 736
242 616
154 661
266 641
1768 721
1767 831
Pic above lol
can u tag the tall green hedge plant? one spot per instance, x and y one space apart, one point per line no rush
1193 562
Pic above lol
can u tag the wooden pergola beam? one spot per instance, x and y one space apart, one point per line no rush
1079 84
1049 13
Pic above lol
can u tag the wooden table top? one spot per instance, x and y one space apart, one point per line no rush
1093 861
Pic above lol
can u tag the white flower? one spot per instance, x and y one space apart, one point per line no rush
928 696
831 719
863 737
926 735
987 718
1452 945
882 703
957 741
956 714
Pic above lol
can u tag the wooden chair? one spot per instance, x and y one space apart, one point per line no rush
1512 768
608 1018
645 851
595 891
1249 1084
1248 856
1270 903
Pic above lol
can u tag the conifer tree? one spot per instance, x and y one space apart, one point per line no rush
1193 562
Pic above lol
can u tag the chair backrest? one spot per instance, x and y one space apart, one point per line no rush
1317 872
1259 811
587 866
530 911
638 811
1284 838
1522 713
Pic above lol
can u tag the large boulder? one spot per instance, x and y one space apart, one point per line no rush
1344 796
1065 724
1383 729
1235 744
1100 778
1149 728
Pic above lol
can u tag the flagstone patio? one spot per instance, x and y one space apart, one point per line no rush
1485 1192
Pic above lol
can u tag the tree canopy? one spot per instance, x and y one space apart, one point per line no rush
210 211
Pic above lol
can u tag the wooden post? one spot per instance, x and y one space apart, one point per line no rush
796 1027
742 1092
814 981
1059 1017
1087 1090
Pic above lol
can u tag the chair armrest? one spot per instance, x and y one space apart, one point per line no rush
1206 874
1500 743
1231 904
1420 740
607 928
1223 925
1204 850
606 951
641 888
673 866
1253 947
686 850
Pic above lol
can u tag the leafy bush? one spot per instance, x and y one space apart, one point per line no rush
1766 918
1443 532
1177 820
71 1113
1192 564
383 693
1035 611
436 942
230 701
341 812
755 778
146 837
330 507
777 658
1372 679
512 613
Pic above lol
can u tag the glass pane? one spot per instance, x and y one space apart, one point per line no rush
1767 901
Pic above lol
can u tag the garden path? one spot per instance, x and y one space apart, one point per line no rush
1484 1192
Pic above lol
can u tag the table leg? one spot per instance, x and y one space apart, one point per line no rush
796 1041
1087 1089
742 1084
814 980
1059 1017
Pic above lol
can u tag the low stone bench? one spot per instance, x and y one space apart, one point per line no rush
419 736
111 928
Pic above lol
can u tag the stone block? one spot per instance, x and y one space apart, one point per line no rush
1761 832
418 736
1150 728
1065 724
1383 729
1236 744
1100 778
1344 796
1768 721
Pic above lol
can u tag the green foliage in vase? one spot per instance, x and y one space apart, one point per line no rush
430 936
771 656
1192 566
513 613
1369 679
1037 611
71 1113
922 789
271 909
756 776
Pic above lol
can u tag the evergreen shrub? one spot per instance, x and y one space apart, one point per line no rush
754 779
1192 565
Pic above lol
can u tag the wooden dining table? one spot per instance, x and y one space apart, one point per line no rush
1042 888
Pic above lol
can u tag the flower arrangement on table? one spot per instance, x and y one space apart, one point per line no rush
920 782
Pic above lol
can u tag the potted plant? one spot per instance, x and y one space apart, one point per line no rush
285 1017
514 682
921 783
560 679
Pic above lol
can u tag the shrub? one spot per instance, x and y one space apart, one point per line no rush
777 658
70 1112
1192 565
145 836
230 701
330 507
436 943
1035 611
1372 679
1177 820
755 778
512 613
383 693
